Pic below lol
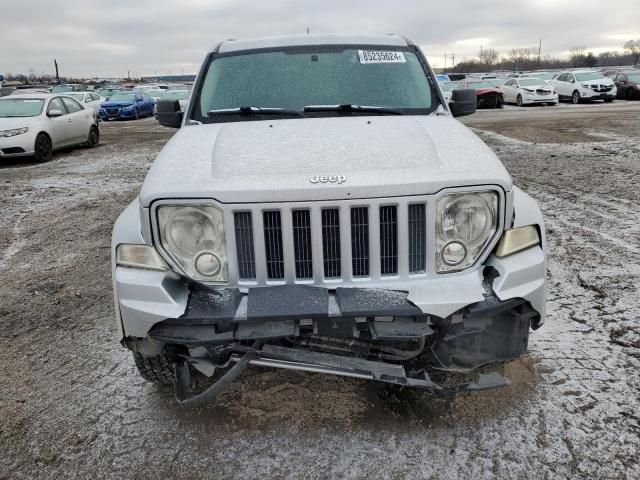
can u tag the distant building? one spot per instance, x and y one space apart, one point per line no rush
170 78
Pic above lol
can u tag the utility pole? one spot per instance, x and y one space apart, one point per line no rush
539 50
445 61
55 62
453 60
307 30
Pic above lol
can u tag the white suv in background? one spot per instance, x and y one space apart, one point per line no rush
582 85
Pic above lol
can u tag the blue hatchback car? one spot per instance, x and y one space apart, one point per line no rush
127 106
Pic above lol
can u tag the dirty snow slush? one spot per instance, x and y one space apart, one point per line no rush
72 405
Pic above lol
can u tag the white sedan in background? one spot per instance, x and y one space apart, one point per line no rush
528 90
36 125
90 100
182 96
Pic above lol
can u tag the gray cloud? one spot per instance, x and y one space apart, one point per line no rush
109 38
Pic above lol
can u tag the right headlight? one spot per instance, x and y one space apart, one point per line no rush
466 223
193 236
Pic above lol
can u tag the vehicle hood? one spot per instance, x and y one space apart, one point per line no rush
482 91
540 86
271 161
117 104
16 122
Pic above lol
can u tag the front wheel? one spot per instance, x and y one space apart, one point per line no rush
552 104
43 149
155 369
94 137
575 98
608 100
136 115
519 100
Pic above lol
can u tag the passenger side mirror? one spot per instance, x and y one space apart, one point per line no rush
168 113
54 112
463 102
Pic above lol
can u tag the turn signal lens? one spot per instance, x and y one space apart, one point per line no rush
139 256
516 240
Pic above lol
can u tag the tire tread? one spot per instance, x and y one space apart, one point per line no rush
155 369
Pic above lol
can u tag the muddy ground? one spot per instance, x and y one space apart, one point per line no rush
72 405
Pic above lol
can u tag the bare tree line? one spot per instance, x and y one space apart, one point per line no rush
526 58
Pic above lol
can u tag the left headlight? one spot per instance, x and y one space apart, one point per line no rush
14 132
466 223
193 236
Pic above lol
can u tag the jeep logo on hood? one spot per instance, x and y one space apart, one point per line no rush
328 179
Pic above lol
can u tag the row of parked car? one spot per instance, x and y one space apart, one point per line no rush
38 121
549 88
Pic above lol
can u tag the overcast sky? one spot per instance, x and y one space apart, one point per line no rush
107 38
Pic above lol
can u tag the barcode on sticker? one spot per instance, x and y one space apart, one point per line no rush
377 56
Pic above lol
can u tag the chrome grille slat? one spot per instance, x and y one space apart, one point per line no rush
273 244
302 243
388 240
331 242
360 241
244 245
417 238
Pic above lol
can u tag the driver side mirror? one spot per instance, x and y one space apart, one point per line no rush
54 112
169 114
463 102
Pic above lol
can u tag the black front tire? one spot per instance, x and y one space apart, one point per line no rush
155 369
608 100
43 149
94 137
519 100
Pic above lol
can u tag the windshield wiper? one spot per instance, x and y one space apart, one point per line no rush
246 110
352 108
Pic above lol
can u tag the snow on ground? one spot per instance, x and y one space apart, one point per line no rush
72 405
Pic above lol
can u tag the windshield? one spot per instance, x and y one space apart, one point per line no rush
20 107
481 84
62 89
175 95
292 78
106 92
448 86
581 77
122 97
633 77
545 76
530 82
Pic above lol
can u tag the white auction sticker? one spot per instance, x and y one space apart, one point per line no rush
377 56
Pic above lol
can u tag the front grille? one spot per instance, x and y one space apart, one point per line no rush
302 243
417 238
244 245
331 242
273 245
360 241
388 240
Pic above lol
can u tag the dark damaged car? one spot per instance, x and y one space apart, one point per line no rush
321 209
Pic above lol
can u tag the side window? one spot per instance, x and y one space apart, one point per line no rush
509 83
95 96
622 77
56 104
71 104
139 98
571 78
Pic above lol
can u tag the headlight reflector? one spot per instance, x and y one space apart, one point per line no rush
516 240
193 236
466 223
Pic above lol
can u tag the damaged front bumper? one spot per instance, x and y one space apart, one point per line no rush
374 334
